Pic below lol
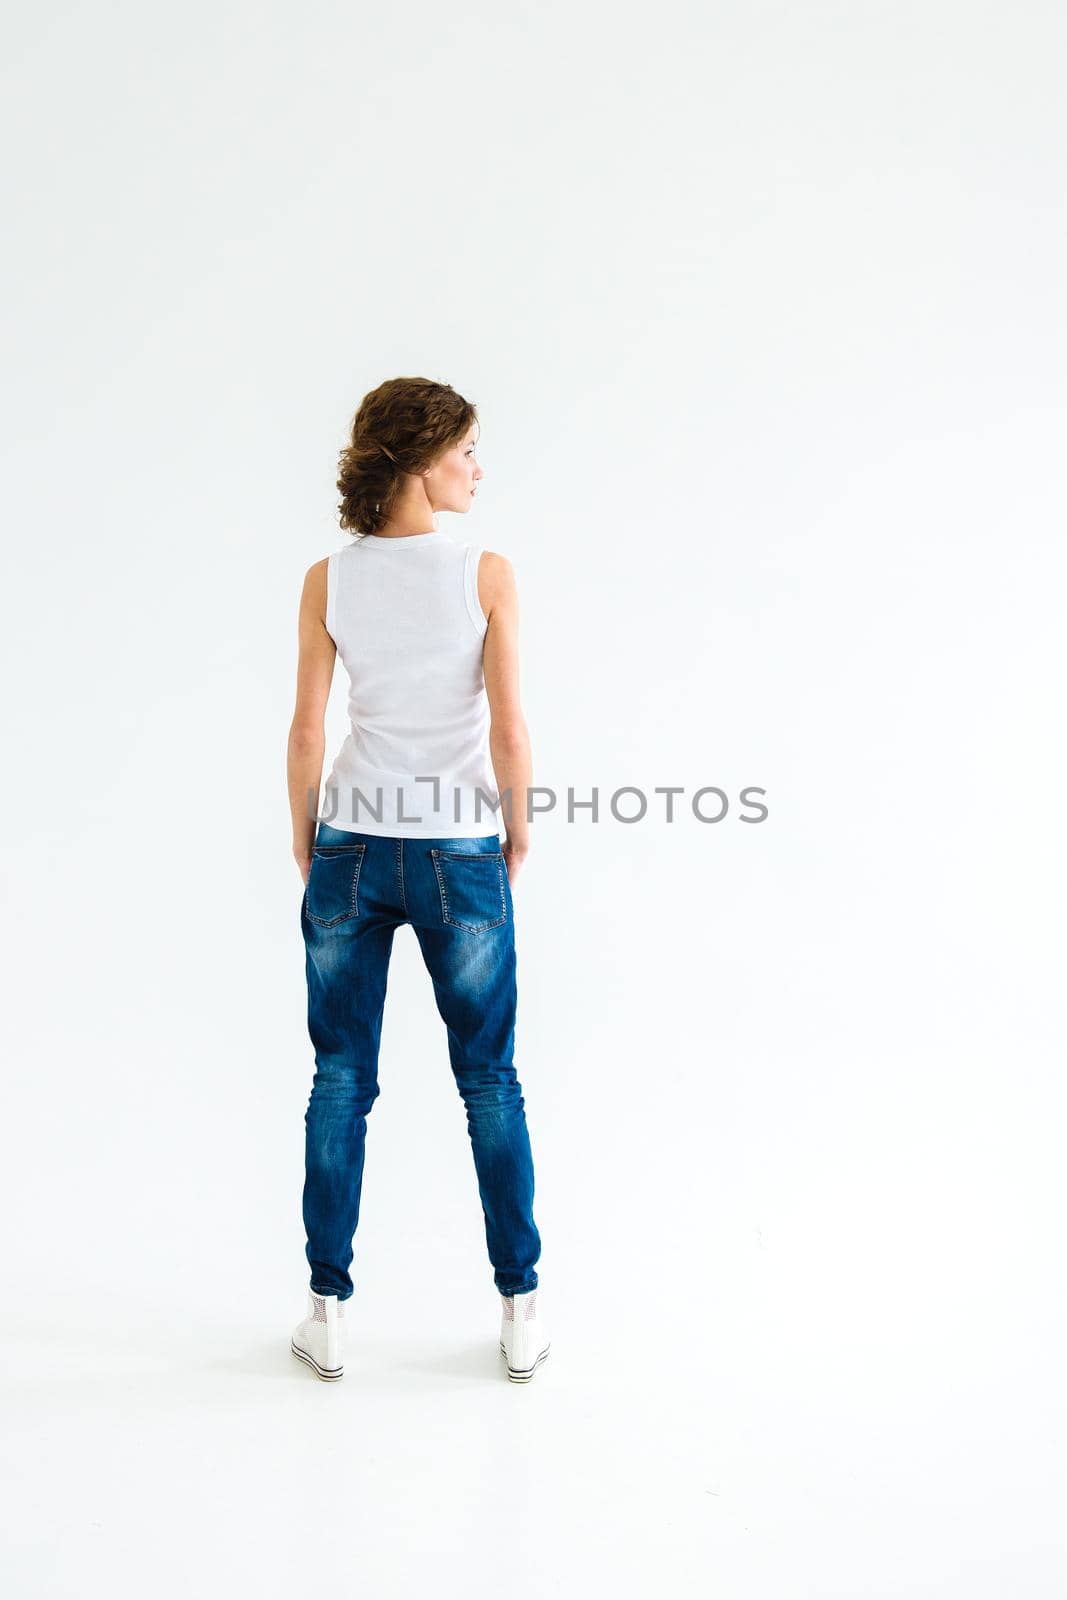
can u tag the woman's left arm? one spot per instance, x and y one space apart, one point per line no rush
307 738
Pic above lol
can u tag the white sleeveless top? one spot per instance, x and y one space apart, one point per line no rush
405 617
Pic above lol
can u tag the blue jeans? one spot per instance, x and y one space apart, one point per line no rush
455 894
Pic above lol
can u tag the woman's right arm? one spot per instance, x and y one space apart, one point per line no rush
509 739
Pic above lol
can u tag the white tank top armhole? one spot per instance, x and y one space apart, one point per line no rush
331 595
470 589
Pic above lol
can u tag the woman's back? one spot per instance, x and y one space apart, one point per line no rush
405 616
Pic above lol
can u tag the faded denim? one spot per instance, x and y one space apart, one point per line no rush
456 895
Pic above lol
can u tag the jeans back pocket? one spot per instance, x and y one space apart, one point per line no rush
472 885
331 895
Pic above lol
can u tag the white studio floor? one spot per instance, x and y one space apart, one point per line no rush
181 1449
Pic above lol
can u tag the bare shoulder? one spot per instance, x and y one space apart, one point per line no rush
496 582
314 593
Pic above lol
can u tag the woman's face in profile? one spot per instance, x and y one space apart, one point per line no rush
452 480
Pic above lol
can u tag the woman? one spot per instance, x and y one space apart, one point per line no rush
427 630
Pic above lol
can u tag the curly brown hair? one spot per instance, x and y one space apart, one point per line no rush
401 426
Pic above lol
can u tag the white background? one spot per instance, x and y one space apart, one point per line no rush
762 309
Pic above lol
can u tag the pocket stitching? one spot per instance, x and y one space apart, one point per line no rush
335 852
468 855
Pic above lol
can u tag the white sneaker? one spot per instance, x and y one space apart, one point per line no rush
318 1339
523 1340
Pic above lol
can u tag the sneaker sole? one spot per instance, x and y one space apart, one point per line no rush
327 1374
524 1374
